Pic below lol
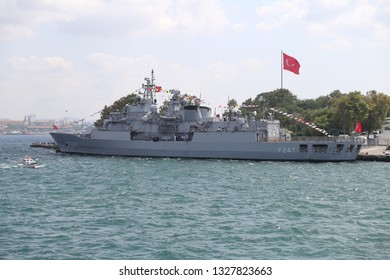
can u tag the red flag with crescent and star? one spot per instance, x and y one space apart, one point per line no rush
291 64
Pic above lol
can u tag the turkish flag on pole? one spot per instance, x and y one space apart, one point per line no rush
290 64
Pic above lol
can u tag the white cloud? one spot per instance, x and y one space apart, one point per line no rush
336 44
281 13
357 23
337 23
82 70
38 84
200 16
47 86
114 76
240 26
14 32
19 19
223 71
334 3
109 18
153 17
254 65
37 64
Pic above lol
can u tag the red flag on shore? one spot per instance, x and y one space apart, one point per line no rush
55 127
358 127
291 64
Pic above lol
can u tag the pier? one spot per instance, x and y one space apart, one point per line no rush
380 152
374 153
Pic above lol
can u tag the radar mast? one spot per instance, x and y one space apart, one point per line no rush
149 87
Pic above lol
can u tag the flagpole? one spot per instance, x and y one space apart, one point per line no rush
281 69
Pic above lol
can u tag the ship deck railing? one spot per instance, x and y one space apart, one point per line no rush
327 139
87 135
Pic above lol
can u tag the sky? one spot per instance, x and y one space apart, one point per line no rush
65 58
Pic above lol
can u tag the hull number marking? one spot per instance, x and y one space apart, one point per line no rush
286 150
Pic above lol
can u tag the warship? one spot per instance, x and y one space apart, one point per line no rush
190 130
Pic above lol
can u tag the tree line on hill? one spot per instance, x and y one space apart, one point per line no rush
336 112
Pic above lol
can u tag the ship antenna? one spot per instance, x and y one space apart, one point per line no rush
149 87
152 77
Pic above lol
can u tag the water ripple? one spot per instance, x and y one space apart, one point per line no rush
81 207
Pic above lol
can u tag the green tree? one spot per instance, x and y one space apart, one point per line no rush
164 108
307 104
279 98
348 110
323 102
379 106
253 105
117 106
232 103
282 99
320 117
336 94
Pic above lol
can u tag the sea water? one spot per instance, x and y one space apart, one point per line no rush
95 207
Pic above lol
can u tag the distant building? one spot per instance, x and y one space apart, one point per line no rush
26 126
31 125
12 123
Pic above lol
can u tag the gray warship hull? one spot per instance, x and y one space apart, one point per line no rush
188 130
205 145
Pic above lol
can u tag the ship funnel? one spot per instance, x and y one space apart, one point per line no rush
192 113
205 112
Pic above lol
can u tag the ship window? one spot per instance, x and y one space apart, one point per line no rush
350 148
320 148
303 148
338 148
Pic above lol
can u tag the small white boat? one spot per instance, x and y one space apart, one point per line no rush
29 162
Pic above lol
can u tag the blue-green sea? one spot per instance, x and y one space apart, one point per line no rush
92 207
